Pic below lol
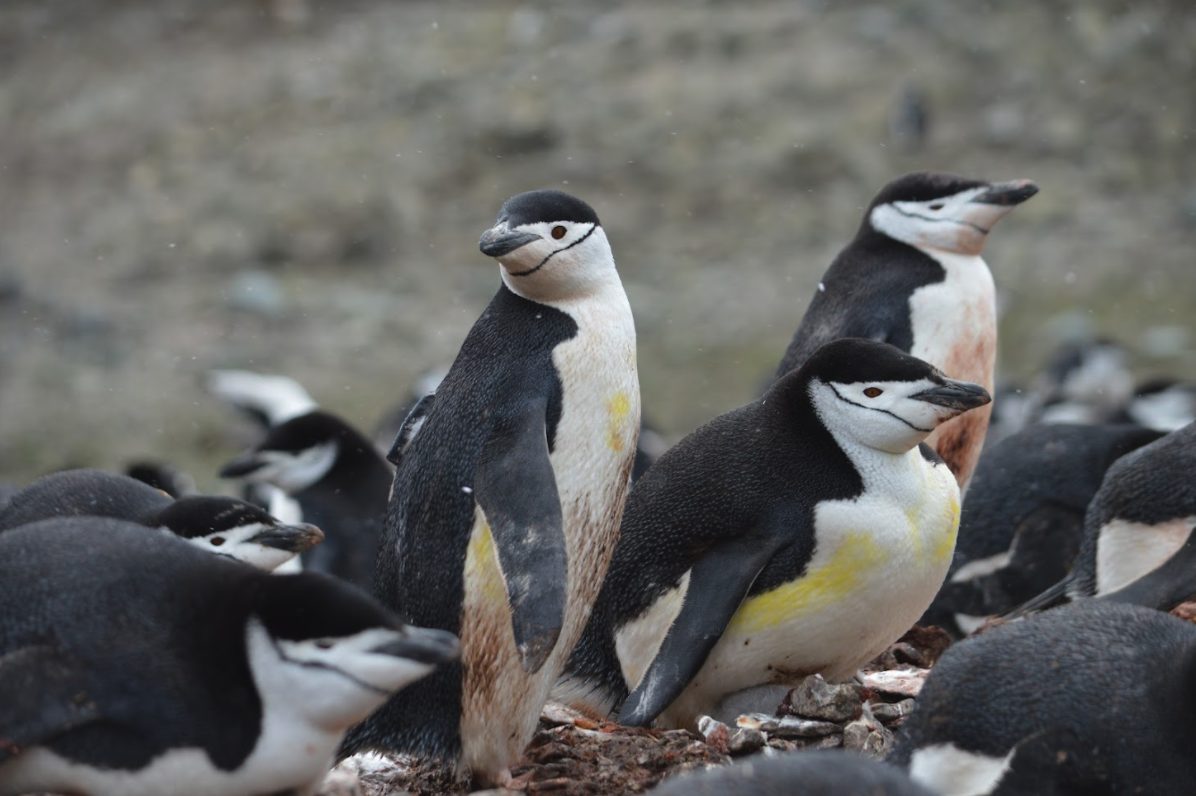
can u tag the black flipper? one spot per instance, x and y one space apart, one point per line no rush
718 584
410 427
515 486
1172 583
44 695
1055 595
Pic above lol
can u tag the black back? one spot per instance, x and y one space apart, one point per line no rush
1112 686
1033 486
866 290
828 772
85 492
506 358
348 504
1151 485
154 631
770 459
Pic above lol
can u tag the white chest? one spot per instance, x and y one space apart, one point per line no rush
954 322
1126 551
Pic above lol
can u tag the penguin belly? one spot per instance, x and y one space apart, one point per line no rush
591 458
954 326
876 567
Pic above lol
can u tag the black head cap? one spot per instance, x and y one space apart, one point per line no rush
922 186
306 431
855 359
312 605
200 515
545 206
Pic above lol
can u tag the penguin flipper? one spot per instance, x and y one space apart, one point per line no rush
515 487
1055 595
718 584
410 427
44 695
1171 583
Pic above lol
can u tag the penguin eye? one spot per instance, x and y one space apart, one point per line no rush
872 392
558 232
217 541
324 644
937 206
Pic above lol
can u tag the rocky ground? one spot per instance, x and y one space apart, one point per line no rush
298 186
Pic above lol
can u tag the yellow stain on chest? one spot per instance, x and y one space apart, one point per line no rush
945 545
617 410
481 565
821 586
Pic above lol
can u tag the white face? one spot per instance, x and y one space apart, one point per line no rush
952 223
879 414
569 259
235 543
333 682
294 472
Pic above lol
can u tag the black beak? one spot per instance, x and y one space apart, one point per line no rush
422 645
291 538
952 394
242 466
501 240
1010 193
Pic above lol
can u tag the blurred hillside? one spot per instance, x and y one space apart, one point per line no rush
298 187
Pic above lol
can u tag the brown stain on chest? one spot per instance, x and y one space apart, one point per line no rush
971 358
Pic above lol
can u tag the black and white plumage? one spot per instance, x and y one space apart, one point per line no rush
1138 544
1093 698
913 277
799 534
829 772
506 503
134 664
221 525
339 480
1162 404
1023 518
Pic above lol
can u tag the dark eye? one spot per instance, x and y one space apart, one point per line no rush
324 644
558 232
872 392
937 206
217 540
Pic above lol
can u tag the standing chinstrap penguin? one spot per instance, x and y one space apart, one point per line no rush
132 664
802 533
506 503
913 277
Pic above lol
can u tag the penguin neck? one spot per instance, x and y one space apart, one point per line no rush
599 283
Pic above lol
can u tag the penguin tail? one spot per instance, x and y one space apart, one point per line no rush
1059 594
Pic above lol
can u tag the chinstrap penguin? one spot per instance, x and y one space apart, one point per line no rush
1023 518
221 525
913 277
506 502
1094 698
1138 544
799 534
133 664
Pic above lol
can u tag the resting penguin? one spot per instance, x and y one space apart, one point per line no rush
1022 522
827 772
506 503
339 480
913 277
137 665
1138 530
1095 698
222 525
802 533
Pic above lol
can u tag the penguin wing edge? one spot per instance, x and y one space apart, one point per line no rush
718 584
515 487
44 694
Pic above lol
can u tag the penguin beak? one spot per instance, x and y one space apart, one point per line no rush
291 538
501 239
958 395
422 645
242 466
1007 194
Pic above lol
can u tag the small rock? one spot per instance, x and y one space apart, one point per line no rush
787 726
717 734
888 712
745 741
815 698
868 736
902 682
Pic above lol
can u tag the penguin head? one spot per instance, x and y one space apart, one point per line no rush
333 646
942 211
236 529
294 455
880 397
550 245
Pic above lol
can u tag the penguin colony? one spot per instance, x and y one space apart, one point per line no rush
499 553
